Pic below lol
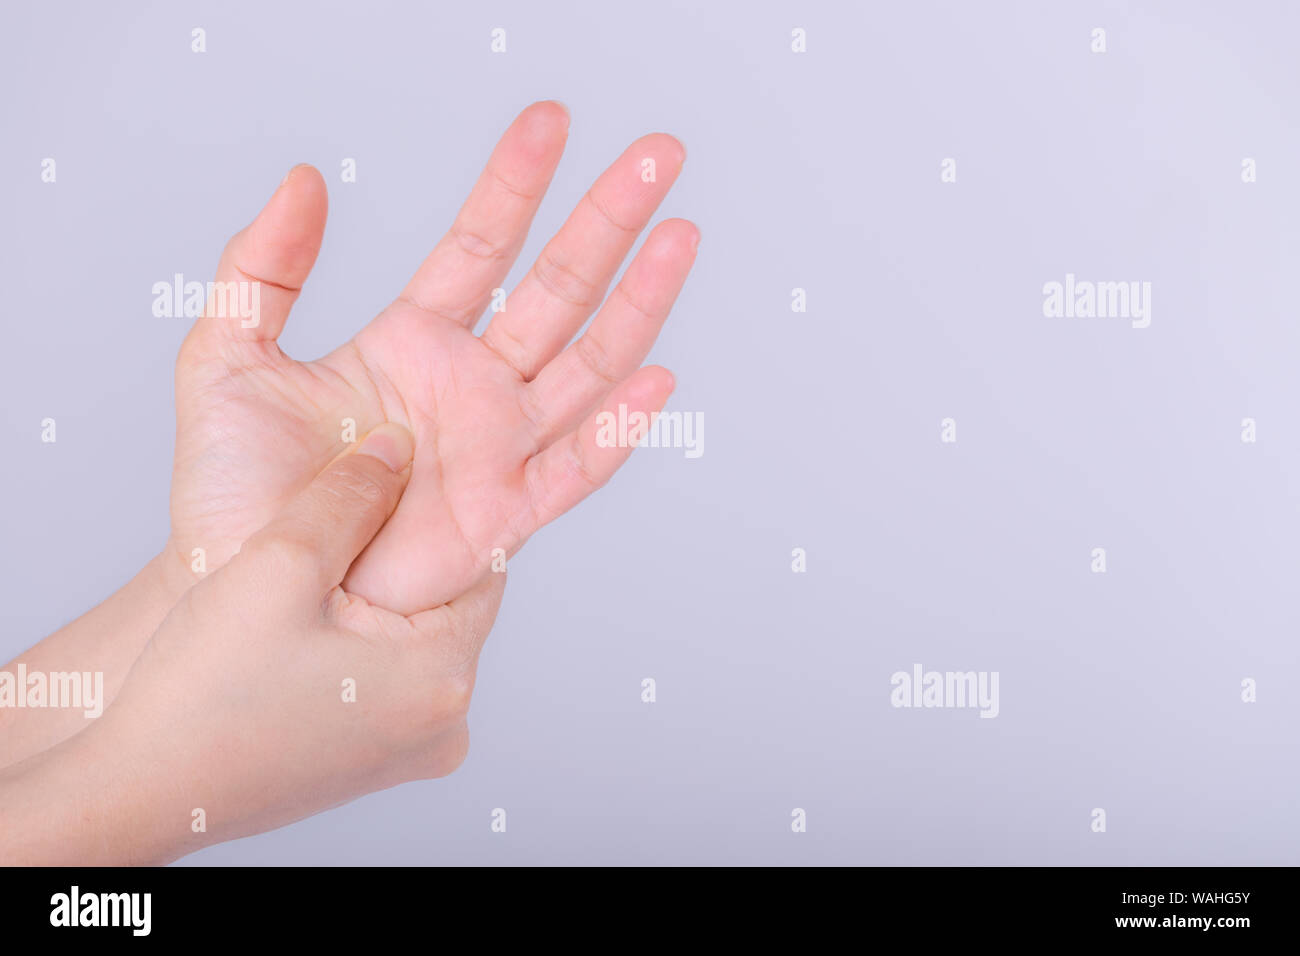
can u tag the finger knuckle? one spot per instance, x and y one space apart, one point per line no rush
480 246
356 483
451 697
563 282
435 697
446 754
597 360
580 470
281 554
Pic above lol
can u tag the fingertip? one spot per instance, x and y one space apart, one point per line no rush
280 245
656 383
301 201
678 232
674 147
302 177
528 153
545 121
557 110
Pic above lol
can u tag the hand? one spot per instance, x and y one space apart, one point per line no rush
504 423
238 705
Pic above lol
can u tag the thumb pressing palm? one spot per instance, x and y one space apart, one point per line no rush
504 423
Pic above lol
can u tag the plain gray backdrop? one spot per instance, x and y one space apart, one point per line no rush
819 171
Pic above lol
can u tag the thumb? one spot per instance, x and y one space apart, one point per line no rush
323 529
274 254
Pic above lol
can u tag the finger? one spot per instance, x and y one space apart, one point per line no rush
571 274
620 336
457 278
322 530
265 265
582 461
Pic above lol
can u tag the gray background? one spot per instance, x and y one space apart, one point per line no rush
821 171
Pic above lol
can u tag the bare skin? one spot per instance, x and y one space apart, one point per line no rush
267 694
497 418
504 423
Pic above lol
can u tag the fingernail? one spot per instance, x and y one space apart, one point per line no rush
390 443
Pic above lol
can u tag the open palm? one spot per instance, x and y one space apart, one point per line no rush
504 422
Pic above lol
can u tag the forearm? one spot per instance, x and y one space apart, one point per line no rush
81 804
104 641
